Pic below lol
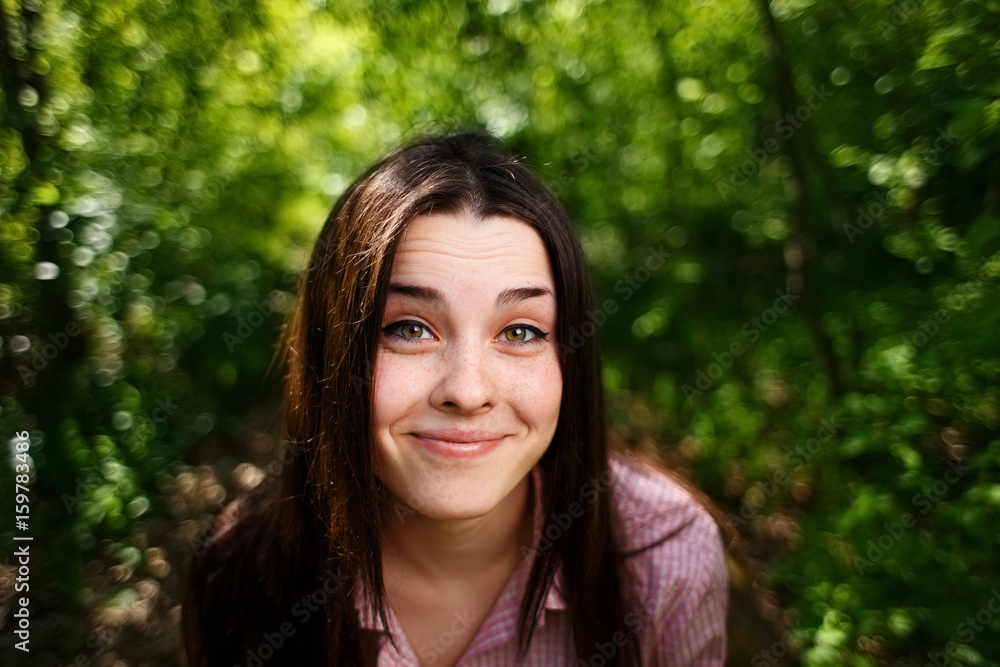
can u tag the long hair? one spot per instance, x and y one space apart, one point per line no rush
316 533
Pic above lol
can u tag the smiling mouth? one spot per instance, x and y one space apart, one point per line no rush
458 449
459 435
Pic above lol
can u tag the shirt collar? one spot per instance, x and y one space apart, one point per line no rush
513 590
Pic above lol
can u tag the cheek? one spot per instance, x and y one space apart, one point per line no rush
536 390
395 385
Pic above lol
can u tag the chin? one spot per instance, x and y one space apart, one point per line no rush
457 506
455 513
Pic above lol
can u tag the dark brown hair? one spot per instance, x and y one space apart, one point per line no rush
322 520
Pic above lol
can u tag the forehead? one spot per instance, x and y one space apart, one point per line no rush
456 246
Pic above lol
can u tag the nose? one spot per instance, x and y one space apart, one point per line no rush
467 384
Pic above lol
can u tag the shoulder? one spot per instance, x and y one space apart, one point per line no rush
657 510
675 554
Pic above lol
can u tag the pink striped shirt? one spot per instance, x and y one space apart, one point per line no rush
683 580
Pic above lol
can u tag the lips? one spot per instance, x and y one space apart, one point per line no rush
458 435
456 444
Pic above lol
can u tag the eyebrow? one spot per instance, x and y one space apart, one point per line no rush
509 296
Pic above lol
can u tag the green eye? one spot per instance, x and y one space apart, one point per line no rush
407 329
414 332
516 334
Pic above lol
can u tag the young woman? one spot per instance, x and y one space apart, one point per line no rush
450 496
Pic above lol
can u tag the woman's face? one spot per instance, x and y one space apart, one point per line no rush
467 353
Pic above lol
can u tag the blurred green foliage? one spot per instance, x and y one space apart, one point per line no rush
165 166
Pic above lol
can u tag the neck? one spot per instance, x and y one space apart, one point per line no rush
433 550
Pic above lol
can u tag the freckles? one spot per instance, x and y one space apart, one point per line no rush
540 386
387 380
399 381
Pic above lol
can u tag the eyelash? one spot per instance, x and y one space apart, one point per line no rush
390 332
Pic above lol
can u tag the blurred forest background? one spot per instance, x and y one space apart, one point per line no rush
819 352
